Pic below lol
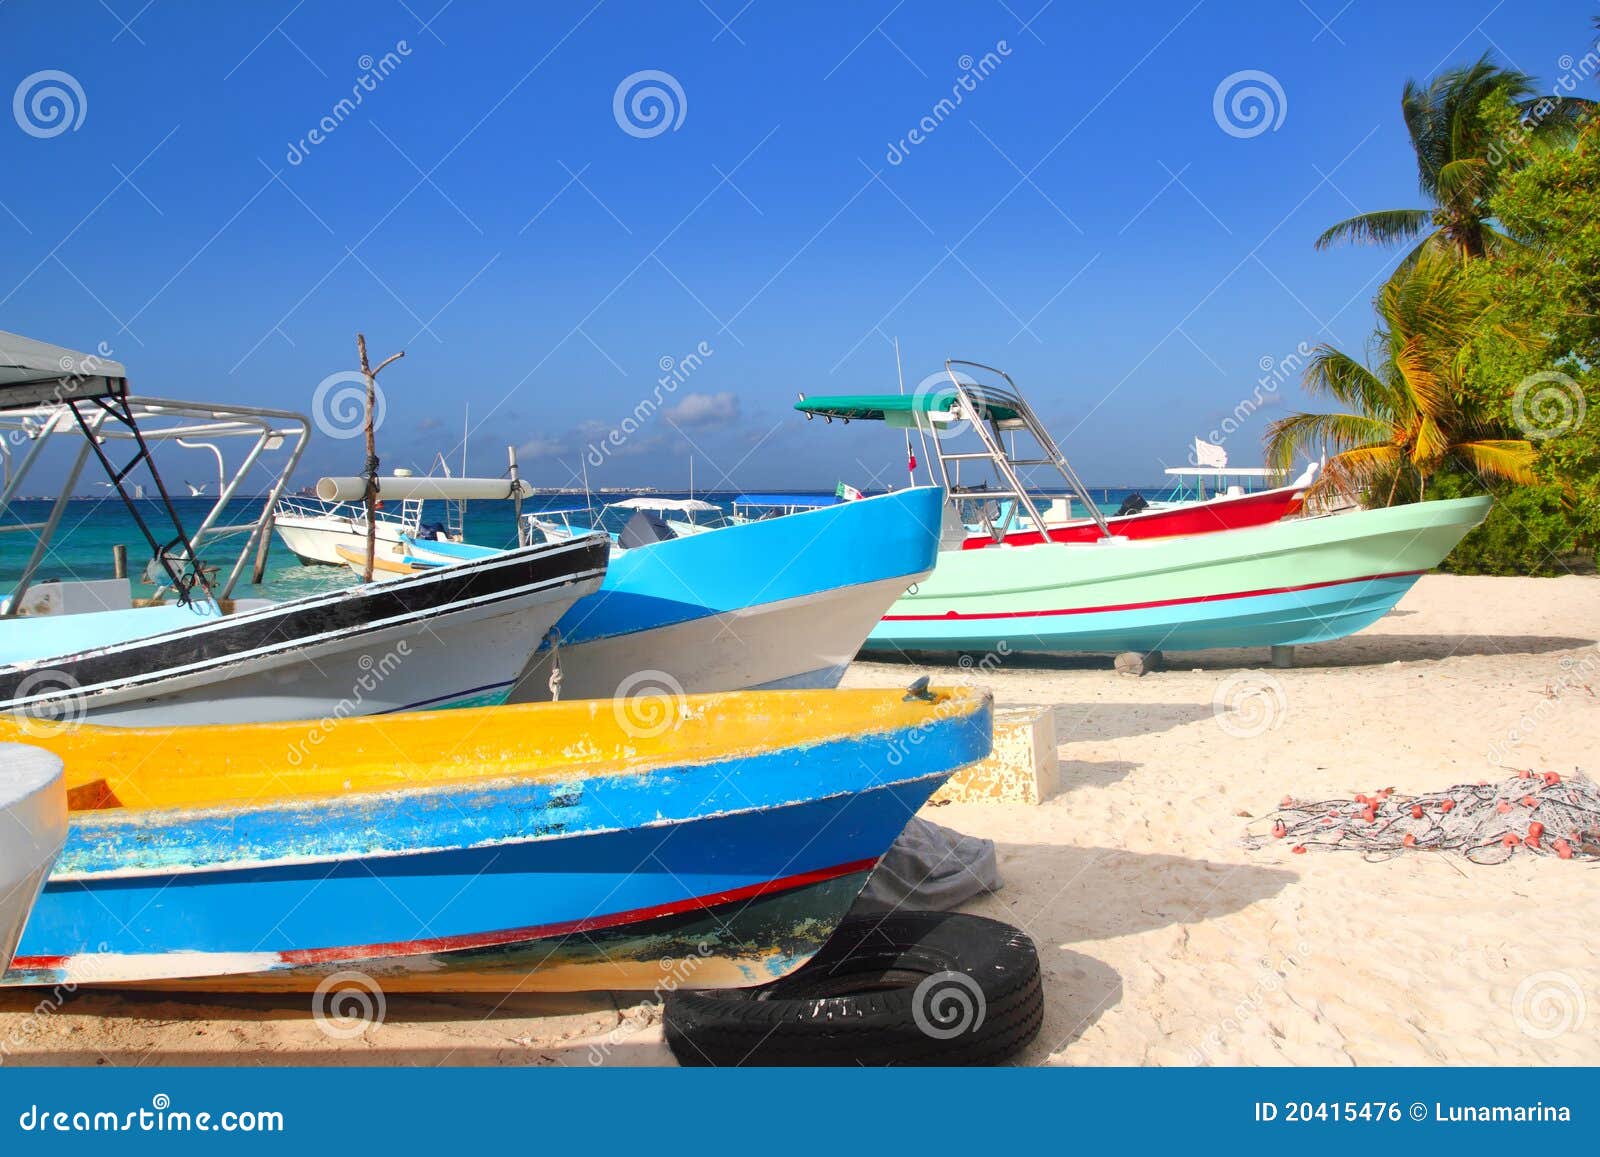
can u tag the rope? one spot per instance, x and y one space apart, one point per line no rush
1545 814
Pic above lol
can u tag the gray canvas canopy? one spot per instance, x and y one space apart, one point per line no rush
35 373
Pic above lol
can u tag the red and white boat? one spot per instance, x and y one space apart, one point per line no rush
1231 505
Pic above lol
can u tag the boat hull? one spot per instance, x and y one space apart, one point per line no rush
33 820
316 541
1304 580
455 637
779 603
1207 517
724 859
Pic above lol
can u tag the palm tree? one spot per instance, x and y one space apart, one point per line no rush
1457 166
1410 416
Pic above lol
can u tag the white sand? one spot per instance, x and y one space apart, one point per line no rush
1163 940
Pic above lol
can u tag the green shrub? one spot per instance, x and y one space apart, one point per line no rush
1529 531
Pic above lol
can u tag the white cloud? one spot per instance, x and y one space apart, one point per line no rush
706 410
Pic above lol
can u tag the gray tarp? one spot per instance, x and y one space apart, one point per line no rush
35 372
930 868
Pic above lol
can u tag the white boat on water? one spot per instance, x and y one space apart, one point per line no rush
33 828
321 530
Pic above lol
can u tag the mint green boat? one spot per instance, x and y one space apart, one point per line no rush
1307 579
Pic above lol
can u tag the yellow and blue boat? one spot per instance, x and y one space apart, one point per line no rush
711 841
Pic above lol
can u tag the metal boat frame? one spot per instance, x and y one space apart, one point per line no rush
111 416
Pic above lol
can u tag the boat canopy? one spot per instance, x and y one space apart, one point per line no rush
886 407
36 373
682 505
799 500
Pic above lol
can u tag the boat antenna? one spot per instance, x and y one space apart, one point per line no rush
911 459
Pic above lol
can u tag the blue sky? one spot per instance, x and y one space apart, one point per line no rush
1082 218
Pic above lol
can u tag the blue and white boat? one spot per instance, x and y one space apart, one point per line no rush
775 603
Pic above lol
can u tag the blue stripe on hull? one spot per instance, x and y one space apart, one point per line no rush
756 563
1305 616
461 893
317 873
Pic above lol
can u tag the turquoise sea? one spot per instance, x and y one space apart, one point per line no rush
91 527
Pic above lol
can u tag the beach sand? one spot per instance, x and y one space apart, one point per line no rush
1163 940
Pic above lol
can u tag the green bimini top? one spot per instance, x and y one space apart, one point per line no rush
879 407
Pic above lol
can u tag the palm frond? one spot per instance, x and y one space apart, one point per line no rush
1296 435
1337 375
1511 460
1384 227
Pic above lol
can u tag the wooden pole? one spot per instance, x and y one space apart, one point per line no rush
371 472
119 561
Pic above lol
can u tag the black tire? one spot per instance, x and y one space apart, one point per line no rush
908 988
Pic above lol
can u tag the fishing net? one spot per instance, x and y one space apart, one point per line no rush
1545 814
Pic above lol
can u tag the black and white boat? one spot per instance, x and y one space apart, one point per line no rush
454 637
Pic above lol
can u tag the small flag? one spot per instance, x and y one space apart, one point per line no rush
911 461
847 492
1209 454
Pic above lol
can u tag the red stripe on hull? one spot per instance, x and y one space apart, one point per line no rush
1143 606
566 928
307 956
1199 518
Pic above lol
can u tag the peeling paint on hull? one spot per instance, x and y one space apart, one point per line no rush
479 881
